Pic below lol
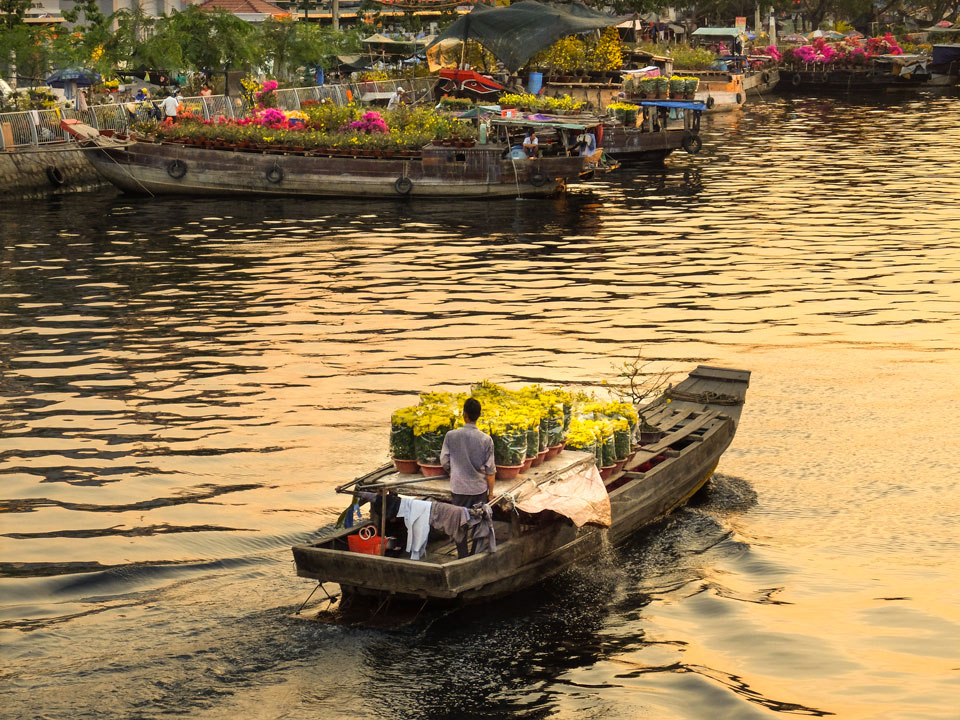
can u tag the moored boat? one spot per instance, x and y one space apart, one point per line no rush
665 126
760 80
466 170
698 419
719 91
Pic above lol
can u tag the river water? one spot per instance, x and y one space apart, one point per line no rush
184 383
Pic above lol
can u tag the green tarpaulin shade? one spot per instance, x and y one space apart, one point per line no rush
717 32
516 33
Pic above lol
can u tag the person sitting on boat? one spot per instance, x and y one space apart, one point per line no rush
531 145
467 456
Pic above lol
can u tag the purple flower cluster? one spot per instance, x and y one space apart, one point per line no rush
371 122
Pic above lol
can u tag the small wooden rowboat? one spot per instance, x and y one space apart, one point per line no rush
480 171
698 418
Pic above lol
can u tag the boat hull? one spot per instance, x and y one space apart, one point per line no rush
761 81
641 147
843 81
529 555
481 172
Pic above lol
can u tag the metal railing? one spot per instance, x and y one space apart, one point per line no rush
37 128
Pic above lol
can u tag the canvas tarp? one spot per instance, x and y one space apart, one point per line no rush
444 54
579 495
516 33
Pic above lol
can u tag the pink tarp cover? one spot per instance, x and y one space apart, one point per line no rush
581 497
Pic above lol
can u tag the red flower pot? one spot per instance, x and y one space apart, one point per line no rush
535 460
553 451
606 472
432 470
508 472
407 467
541 456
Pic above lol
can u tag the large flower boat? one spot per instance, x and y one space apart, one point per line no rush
555 514
332 151
852 65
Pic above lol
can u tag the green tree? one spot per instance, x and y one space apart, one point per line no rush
199 40
13 12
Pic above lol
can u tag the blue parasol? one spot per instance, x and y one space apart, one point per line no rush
78 77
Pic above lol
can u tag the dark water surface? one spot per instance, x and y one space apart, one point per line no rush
184 383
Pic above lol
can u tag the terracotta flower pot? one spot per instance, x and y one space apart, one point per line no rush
432 470
535 460
553 451
508 472
527 464
407 467
542 455
606 472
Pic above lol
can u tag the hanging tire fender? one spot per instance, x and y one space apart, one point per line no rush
692 144
765 77
796 80
538 179
177 169
403 185
275 174
55 176
710 102
739 99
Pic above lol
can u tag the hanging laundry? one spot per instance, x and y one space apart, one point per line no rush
450 519
416 516
481 521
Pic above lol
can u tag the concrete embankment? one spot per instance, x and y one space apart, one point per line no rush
41 172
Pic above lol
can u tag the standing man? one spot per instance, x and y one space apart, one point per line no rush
171 106
467 456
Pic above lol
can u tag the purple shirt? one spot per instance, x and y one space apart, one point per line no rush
467 456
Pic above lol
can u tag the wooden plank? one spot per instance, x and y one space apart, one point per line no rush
440 486
717 373
677 435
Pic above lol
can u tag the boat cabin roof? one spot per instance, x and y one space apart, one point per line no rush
544 121
678 104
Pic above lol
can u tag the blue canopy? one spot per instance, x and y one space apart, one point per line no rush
81 77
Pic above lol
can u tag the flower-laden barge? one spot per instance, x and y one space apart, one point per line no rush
333 151
556 515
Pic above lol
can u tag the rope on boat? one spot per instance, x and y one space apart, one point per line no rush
516 177
708 397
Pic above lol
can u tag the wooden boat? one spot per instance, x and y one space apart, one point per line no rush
720 91
760 80
881 74
479 171
699 419
657 134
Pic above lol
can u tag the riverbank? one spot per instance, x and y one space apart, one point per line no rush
46 171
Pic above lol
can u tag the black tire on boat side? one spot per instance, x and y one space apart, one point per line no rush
275 174
55 176
177 169
796 80
692 144
739 99
403 185
710 102
539 179
765 78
